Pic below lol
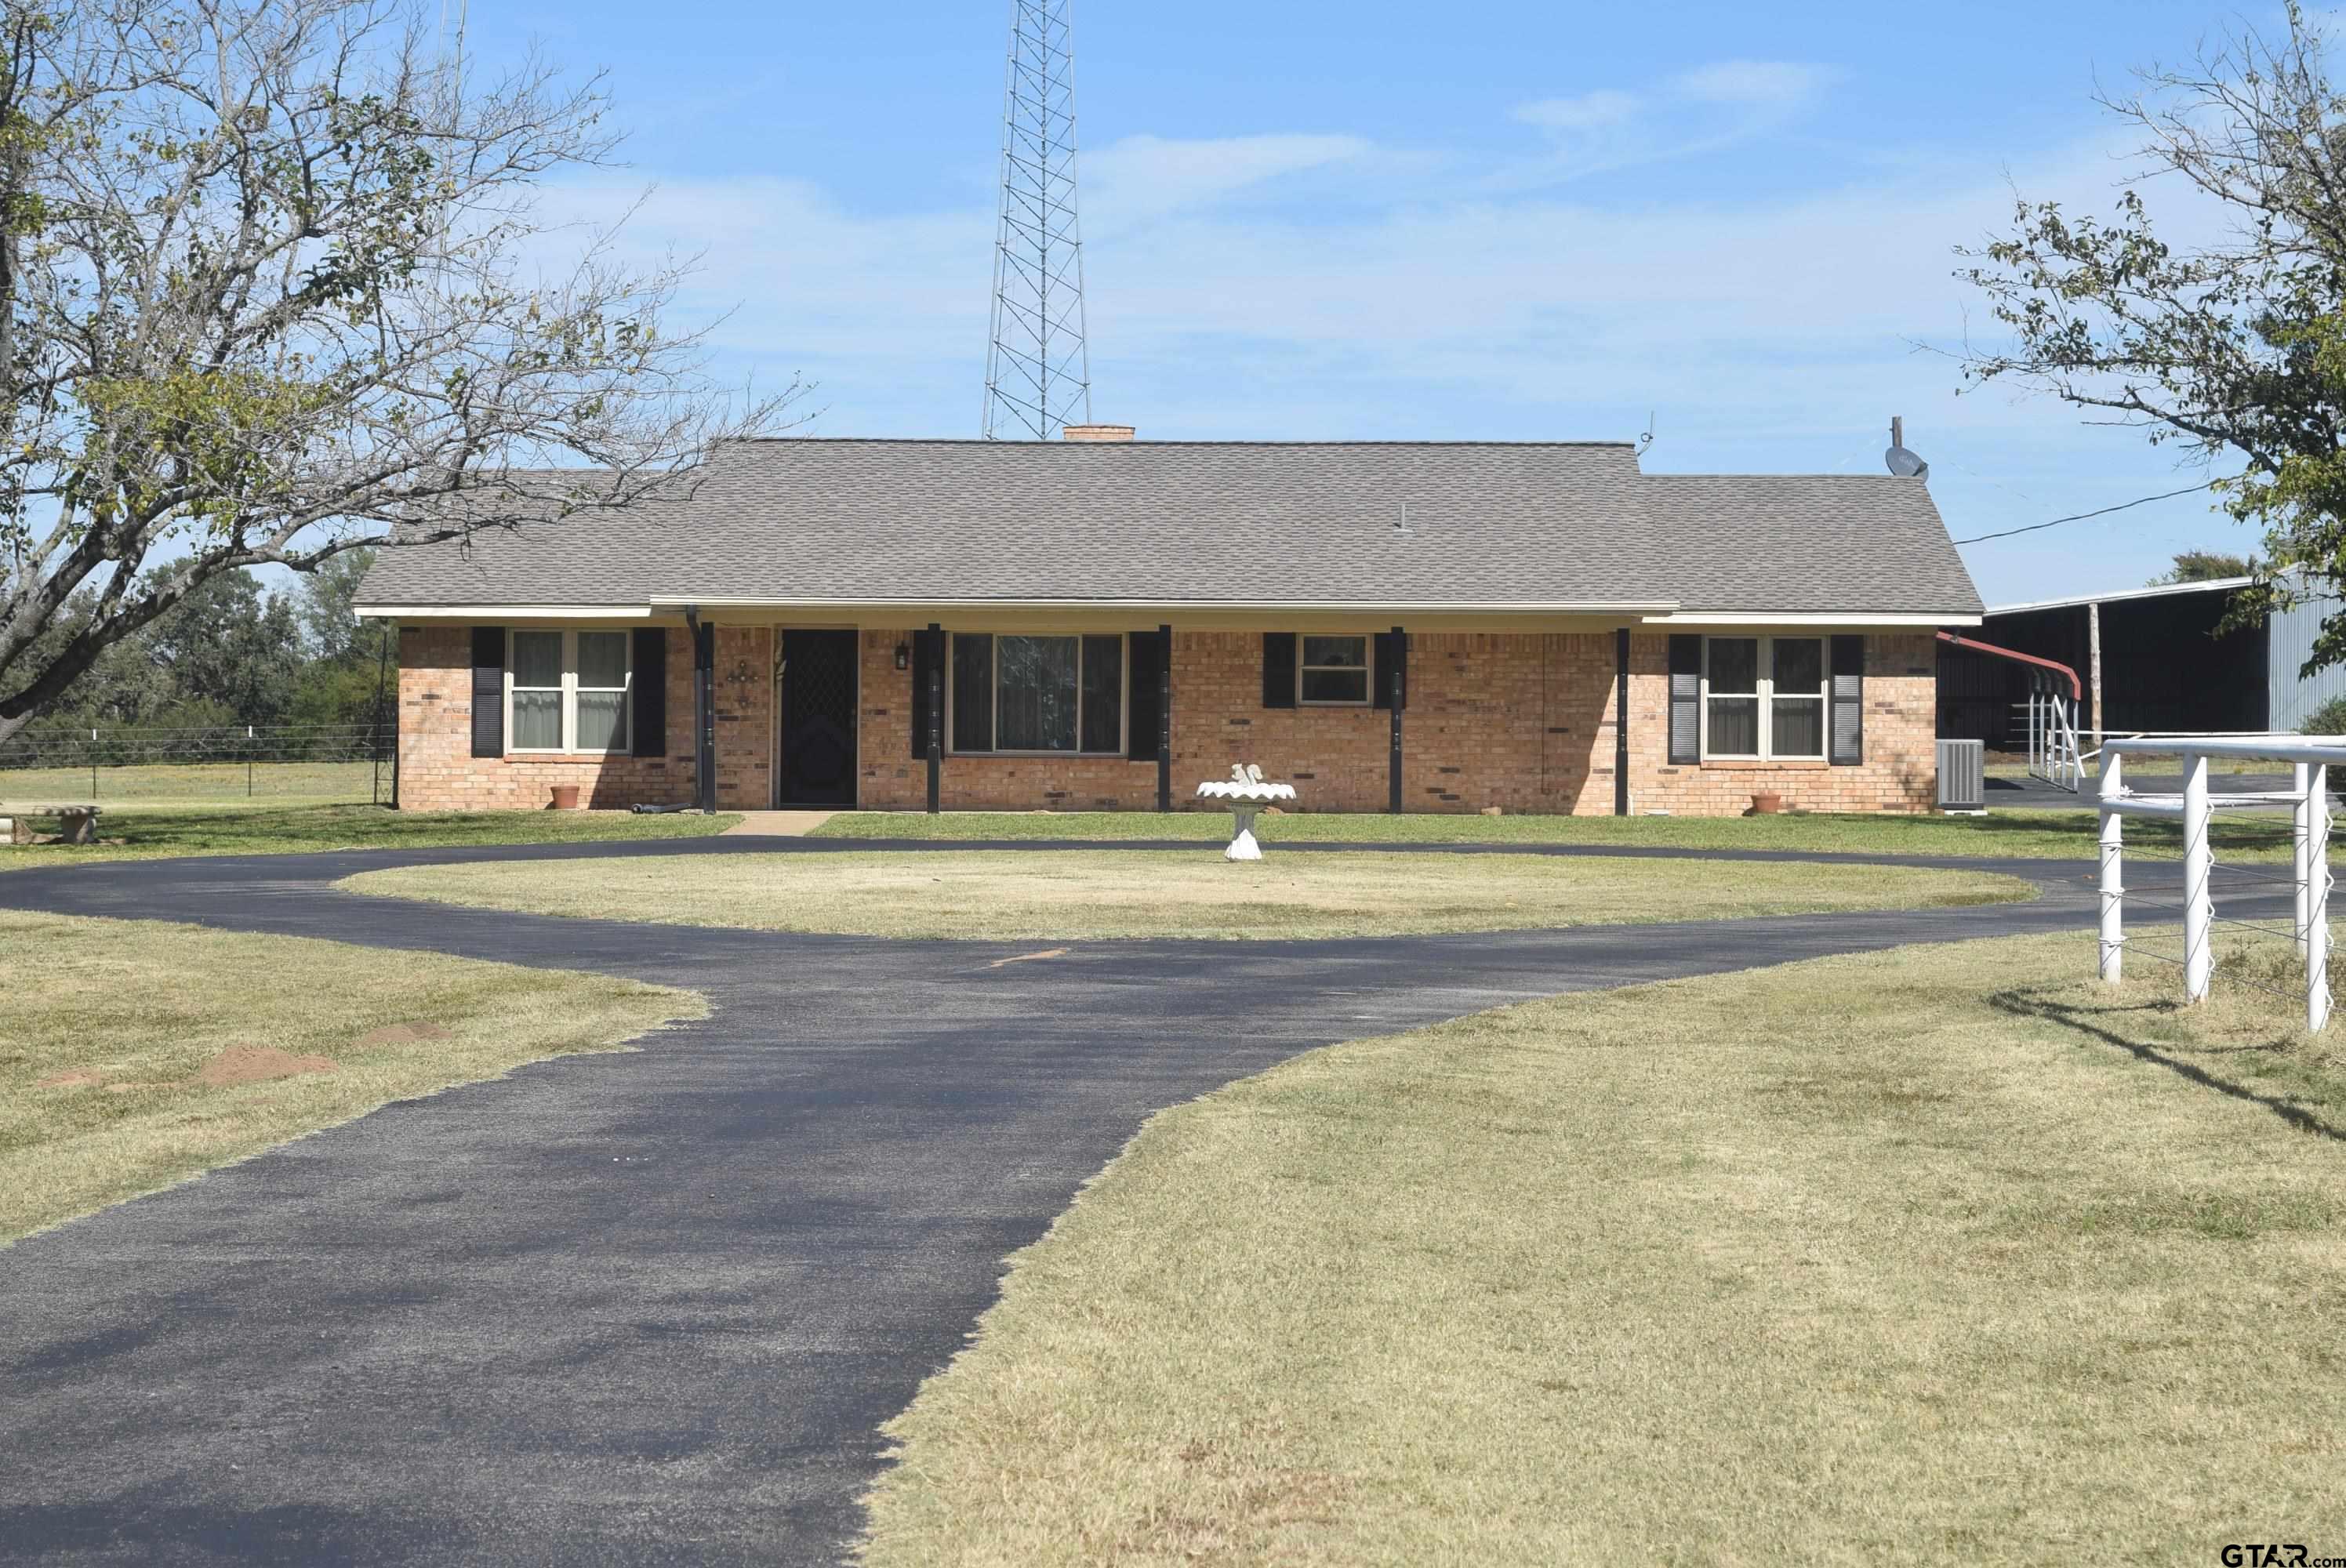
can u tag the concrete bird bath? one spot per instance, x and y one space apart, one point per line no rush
1247 795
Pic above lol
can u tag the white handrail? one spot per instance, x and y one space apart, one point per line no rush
2323 749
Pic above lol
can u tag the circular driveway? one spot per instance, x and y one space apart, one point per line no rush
652 1306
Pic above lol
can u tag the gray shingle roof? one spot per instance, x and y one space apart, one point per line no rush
1175 523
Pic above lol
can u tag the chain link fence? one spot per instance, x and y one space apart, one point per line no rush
314 764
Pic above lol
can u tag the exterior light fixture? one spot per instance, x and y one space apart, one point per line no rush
903 656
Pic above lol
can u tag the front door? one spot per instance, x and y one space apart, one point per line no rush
818 737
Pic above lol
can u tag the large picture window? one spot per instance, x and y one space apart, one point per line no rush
567 691
1764 698
1018 693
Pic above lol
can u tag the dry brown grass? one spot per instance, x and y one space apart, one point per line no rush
1074 893
134 1054
1938 1255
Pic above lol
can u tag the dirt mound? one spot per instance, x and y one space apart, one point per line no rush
403 1034
258 1063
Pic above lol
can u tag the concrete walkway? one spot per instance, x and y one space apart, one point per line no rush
777 824
653 1307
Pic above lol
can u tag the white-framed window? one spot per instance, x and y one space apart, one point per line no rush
567 690
1333 672
1035 693
1763 698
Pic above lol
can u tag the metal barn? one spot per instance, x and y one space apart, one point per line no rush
2150 658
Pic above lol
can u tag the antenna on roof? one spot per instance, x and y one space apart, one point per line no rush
1646 438
1906 464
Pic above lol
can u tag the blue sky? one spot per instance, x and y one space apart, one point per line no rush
1370 219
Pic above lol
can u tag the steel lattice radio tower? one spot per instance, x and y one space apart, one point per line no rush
1038 370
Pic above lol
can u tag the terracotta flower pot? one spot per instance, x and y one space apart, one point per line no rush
1766 803
565 796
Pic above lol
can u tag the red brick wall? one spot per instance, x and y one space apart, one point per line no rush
1900 772
744 690
437 770
1516 720
1521 722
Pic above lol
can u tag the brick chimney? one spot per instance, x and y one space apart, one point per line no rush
1098 432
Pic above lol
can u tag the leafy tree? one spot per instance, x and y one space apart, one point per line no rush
342 692
2204 566
2235 351
269 290
231 646
327 594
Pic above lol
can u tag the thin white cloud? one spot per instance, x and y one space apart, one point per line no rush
1145 176
1690 115
1777 87
1589 111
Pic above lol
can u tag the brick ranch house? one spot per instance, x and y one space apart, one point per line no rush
1102 622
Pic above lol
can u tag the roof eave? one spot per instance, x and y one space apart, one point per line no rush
1923 619
1342 607
382 611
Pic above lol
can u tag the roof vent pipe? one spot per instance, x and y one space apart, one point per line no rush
1097 432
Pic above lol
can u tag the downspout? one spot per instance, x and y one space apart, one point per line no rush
2077 686
388 632
704 709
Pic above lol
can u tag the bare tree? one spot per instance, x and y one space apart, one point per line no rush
269 292
2235 349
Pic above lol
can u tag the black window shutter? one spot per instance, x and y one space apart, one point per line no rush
488 691
1279 670
650 678
1102 710
1848 700
916 706
1383 660
971 724
1142 712
1685 700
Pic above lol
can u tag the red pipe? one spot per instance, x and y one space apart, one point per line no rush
2077 686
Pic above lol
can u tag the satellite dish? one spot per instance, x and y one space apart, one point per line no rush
1906 464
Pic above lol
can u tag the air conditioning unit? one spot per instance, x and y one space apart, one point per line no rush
1963 777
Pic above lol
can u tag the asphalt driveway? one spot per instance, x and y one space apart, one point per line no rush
651 1307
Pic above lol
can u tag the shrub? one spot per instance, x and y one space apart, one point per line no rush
2330 718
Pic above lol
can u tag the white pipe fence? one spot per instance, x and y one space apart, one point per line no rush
2050 722
2308 798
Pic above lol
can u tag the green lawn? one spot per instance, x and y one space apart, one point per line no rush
183 785
2036 834
143 834
2152 763
1079 894
134 1054
1939 1256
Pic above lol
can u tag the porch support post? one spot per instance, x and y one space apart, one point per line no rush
933 712
1621 722
1400 701
2094 663
1164 719
704 707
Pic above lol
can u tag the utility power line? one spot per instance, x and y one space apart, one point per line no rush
2099 512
